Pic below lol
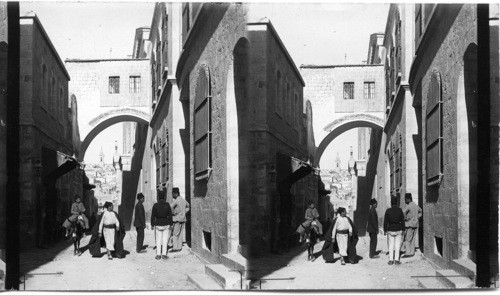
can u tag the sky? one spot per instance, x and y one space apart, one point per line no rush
321 33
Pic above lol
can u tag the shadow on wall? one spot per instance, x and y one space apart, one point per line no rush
284 239
365 187
131 179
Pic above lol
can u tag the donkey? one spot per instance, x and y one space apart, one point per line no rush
76 233
311 236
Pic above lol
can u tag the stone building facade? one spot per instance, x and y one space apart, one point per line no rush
111 91
3 120
247 132
456 54
345 97
49 173
398 163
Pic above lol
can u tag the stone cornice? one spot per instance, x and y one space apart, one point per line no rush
354 117
166 90
121 111
398 101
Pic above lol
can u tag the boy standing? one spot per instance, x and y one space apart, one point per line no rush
140 223
372 228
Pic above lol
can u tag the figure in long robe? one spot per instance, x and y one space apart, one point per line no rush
97 242
331 245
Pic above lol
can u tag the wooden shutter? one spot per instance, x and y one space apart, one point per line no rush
434 135
202 126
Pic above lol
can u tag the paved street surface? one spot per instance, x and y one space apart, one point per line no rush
368 274
135 272
143 272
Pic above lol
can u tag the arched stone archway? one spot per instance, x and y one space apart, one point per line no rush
107 119
343 124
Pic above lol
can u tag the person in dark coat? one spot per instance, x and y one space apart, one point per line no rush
330 246
97 242
162 220
394 224
140 223
372 228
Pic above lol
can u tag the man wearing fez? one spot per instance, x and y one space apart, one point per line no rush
161 220
179 207
412 213
140 223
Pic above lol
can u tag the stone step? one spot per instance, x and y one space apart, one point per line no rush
453 279
204 282
430 283
466 267
236 262
229 280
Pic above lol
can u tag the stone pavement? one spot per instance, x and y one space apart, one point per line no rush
292 271
58 269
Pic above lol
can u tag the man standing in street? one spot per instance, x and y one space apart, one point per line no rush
108 226
180 207
372 228
161 220
140 223
412 213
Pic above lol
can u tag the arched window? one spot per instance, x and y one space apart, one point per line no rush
44 87
278 102
53 98
49 95
288 102
61 105
296 111
164 156
434 131
202 126
283 99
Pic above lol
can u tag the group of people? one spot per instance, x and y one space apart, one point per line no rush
167 220
400 227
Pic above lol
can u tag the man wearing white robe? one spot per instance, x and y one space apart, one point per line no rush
341 232
109 224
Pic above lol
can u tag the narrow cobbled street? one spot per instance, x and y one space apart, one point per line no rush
65 271
292 271
288 271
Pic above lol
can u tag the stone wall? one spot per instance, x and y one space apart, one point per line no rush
213 49
243 62
46 122
449 213
3 122
324 89
90 84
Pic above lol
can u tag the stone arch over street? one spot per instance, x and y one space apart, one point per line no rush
109 118
367 173
343 124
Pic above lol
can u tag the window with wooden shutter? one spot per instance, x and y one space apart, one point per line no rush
391 166
434 132
164 158
157 149
202 126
